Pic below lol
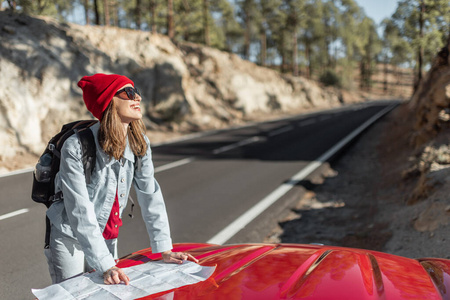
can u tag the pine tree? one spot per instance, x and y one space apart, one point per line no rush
423 24
170 21
266 23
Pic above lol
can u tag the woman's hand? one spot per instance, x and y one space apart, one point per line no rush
177 257
115 275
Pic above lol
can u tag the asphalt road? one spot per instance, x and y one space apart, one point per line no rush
208 181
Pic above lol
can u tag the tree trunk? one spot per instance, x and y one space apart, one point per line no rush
263 48
137 14
97 14
362 74
185 18
335 58
246 52
420 50
114 12
170 24
106 11
206 38
308 59
328 44
86 11
227 36
283 62
247 35
399 75
294 52
369 64
152 10
329 63
12 4
283 53
448 38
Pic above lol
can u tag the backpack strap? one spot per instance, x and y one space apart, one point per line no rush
88 150
88 158
47 232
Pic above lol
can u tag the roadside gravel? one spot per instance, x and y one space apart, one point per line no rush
362 202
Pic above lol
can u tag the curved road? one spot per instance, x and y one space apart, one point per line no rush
227 186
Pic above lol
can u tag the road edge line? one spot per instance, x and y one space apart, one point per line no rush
14 213
237 225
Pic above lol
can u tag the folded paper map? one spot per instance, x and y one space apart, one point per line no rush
145 279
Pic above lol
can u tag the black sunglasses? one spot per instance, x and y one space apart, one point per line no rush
131 92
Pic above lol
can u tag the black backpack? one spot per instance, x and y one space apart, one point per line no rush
43 190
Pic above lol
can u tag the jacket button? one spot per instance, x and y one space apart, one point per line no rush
116 213
122 180
121 195
115 226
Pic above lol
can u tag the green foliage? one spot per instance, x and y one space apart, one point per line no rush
57 8
424 25
188 20
315 38
225 26
396 50
330 78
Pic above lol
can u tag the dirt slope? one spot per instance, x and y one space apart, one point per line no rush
390 192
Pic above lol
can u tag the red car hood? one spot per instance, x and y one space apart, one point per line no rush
291 271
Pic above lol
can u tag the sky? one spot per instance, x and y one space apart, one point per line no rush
378 9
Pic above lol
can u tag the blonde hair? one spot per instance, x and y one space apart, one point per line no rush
110 134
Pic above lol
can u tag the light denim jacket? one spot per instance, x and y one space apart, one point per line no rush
85 210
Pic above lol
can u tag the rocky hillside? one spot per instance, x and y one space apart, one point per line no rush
428 165
185 86
412 178
390 191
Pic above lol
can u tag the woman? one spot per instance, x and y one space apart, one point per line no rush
85 224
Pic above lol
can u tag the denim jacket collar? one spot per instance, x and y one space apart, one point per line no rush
107 161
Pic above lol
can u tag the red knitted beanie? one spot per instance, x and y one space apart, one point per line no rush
99 89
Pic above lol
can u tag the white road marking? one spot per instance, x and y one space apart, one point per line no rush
14 213
281 130
187 160
228 232
237 145
174 164
22 171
